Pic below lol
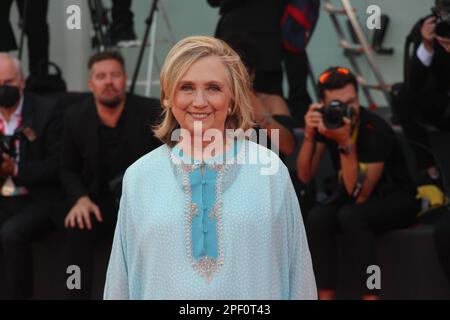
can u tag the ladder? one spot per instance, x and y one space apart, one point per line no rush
351 50
148 82
102 42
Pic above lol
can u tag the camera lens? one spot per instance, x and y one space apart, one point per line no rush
333 114
442 29
442 14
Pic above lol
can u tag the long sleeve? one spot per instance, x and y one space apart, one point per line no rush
45 170
262 254
70 168
117 284
419 72
424 56
302 284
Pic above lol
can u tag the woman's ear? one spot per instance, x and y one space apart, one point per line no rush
166 103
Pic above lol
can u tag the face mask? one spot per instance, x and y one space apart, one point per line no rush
9 96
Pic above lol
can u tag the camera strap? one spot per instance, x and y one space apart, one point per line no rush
353 138
362 171
362 167
355 133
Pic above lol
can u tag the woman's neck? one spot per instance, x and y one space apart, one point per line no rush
204 150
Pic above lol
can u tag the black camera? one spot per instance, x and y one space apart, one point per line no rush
8 143
443 27
441 13
334 113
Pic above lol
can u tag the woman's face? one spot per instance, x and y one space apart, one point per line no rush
203 96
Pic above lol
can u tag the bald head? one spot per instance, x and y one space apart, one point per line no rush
11 71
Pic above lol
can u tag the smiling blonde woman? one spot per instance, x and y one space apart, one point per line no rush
208 227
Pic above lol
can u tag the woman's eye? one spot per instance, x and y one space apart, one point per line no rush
214 88
186 87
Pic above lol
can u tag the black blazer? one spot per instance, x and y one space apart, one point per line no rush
434 77
80 162
38 162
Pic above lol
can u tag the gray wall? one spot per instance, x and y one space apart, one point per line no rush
71 49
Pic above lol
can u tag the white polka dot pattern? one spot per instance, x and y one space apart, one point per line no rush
265 250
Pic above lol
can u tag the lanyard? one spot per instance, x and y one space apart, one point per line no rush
355 133
353 139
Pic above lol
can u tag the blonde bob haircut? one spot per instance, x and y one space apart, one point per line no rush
180 58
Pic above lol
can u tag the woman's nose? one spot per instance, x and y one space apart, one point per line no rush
199 99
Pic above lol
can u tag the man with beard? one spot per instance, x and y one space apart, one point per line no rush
102 137
29 184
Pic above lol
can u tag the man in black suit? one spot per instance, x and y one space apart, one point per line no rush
102 137
29 194
425 98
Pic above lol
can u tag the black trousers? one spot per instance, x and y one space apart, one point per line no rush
296 66
80 247
413 110
359 224
268 81
22 220
442 240
36 29
121 13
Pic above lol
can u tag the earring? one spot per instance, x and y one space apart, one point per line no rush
229 111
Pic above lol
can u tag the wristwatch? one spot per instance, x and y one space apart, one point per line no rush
346 150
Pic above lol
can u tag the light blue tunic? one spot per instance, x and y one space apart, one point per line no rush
230 233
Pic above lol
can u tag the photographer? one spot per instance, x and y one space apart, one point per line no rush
102 137
424 98
29 185
373 191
